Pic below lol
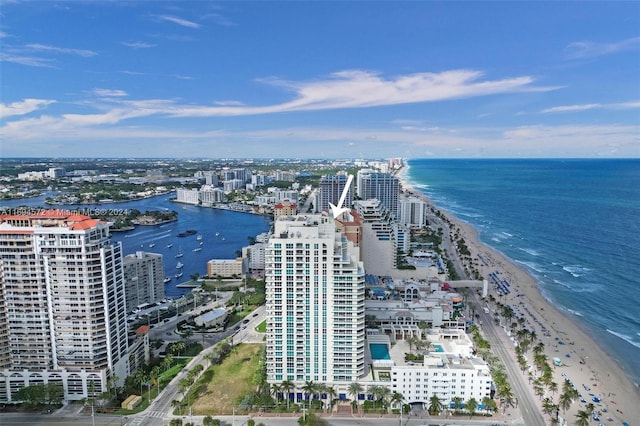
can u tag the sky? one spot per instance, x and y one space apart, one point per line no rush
319 79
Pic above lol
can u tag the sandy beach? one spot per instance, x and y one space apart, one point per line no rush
589 367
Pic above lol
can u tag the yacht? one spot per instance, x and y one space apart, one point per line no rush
167 279
197 249
179 265
152 245
179 274
169 245
199 237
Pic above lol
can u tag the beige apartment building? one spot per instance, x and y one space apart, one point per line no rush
62 304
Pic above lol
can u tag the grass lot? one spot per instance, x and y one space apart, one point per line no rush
262 327
231 381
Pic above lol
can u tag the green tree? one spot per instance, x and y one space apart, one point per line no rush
582 418
457 403
311 419
287 386
40 395
210 421
355 389
177 405
471 406
331 395
435 405
565 401
489 404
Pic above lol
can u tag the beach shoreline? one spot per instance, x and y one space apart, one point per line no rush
585 362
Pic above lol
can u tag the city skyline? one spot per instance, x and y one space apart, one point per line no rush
319 79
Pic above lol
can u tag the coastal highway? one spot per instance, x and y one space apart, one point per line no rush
526 400
531 415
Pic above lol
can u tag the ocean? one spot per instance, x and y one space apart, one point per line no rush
223 232
573 224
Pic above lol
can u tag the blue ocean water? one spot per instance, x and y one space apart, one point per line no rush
223 233
573 224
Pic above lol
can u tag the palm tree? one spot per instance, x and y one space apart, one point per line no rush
457 403
275 390
489 404
331 395
140 378
435 405
396 397
211 356
309 390
355 389
287 386
565 401
590 408
384 393
176 405
183 387
471 406
320 389
582 418
374 391
507 396
178 347
539 348
413 341
167 362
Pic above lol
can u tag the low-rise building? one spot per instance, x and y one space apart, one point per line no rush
225 268
212 318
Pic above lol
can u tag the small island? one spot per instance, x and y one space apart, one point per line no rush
126 220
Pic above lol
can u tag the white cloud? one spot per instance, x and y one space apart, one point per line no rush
588 49
23 107
138 45
586 107
228 103
31 61
361 89
179 21
109 93
65 50
178 76
3 34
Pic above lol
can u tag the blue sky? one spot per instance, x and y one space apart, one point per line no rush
319 79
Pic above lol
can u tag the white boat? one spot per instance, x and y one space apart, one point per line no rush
169 245
180 254
217 234
167 279
199 237
152 245
197 249
179 274
179 265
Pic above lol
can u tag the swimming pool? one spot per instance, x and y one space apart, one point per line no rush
379 351
437 347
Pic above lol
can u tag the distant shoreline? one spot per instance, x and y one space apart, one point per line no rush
601 370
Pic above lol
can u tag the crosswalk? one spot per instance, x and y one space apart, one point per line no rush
139 420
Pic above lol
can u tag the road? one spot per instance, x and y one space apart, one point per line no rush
160 408
531 415
19 419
